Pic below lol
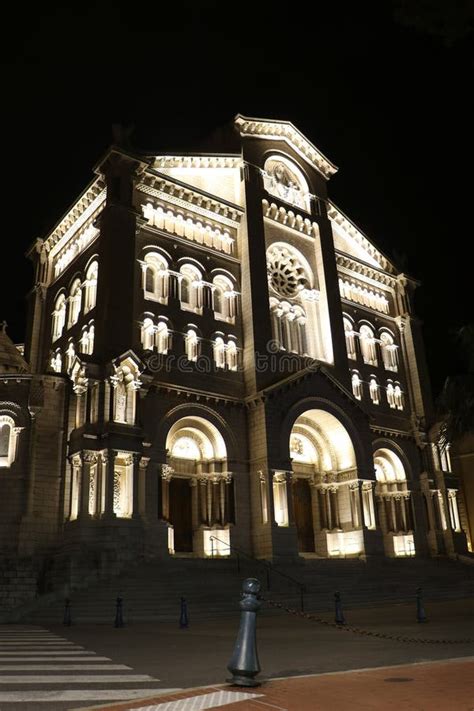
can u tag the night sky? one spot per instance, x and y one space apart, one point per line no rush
384 92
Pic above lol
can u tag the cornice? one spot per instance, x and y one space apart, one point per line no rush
197 161
285 131
337 216
353 265
188 197
89 203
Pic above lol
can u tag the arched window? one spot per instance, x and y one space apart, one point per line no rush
398 396
219 352
87 340
148 332
162 337
391 395
223 299
190 288
231 355
389 351
192 345
367 345
155 277
357 386
374 390
90 286
70 355
59 317
285 180
8 441
350 339
56 362
75 300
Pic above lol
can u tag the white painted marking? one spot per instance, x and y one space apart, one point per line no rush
58 643
17 660
199 703
74 679
63 667
62 652
79 695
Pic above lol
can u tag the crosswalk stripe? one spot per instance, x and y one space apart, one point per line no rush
17 660
80 695
64 667
74 678
59 643
204 701
62 652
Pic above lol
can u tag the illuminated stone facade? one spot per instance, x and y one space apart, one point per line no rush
224 358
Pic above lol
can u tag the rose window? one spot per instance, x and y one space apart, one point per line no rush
285 273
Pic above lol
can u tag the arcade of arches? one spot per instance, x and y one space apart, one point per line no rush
322 496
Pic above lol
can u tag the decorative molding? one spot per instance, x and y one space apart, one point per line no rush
186 226
197 162
285 131
86 207
187 198
290 219
353 232
350 266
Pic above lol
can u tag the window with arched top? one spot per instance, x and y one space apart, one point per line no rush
398 396
192 345
148 334
219 352
90 287
223 299
190 288
87 339
75 300
374 390
231 355
356 386
391 395
155 273
283 179
59 317
8 441
162 338
56 362
367 345
70 355
349 334
389 351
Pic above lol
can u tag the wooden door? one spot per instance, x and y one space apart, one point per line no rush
303 513
180 514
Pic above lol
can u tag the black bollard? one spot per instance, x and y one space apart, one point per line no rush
183 617
67 621
244 664
119 613
339 618
420 610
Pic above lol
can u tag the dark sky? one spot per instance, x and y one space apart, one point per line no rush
383 89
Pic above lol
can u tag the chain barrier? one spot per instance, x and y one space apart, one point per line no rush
367 633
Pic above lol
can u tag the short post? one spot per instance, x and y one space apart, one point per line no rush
183 617
420 610
339 618
302 599
67 621
244 664
119 612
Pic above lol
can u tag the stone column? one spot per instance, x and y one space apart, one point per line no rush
109 483
88 460
136 457
143 464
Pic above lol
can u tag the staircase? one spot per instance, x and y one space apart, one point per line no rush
151 591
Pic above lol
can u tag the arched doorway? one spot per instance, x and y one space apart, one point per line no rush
325 487
198 496
394 503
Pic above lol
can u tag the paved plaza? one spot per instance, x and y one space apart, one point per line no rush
303 663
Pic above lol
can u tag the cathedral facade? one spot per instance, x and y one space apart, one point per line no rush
217 358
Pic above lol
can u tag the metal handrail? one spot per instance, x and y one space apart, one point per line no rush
268 567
